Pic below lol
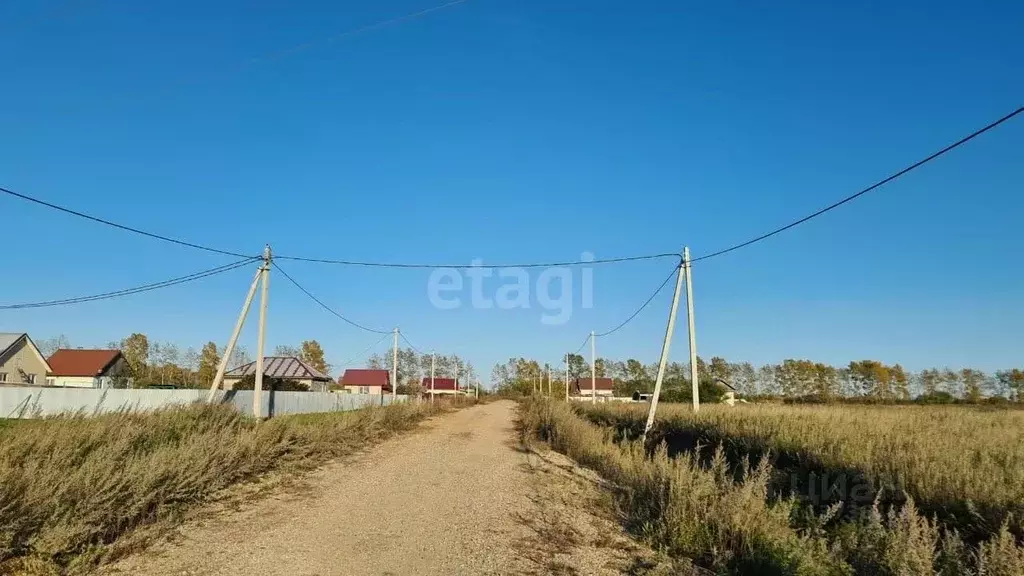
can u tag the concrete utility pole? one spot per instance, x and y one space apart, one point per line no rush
234 336
433 355
456 377
593 369
664 350
257 389
567 377
694 377
476 393
548 368
394 370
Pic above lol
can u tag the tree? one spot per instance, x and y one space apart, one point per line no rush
283 350
135 349
973 380
930 380
191 365
899 382
50 345
577 366
871 378
209 361
1012 382
313 354
720 369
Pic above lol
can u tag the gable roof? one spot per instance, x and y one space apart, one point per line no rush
284 367
440 383
583 384
9 342
67 362
366 377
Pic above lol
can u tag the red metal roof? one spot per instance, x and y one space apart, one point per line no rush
583 384
82 362
366 377
440 383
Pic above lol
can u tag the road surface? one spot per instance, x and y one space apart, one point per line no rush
458 496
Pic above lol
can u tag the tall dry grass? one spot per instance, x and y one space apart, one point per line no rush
725 519
73 489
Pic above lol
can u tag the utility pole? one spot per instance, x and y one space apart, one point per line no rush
593 369
234 336
548 368
566 376
456 378
664 349
394 370
433 355
694 381
257 390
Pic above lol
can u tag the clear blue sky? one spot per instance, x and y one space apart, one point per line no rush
519 131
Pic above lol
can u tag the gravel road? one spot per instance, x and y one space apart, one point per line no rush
459 496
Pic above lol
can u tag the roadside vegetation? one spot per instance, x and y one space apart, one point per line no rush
721 503
78 491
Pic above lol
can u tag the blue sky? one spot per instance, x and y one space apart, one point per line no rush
519 131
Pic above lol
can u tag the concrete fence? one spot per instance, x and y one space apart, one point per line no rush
34 402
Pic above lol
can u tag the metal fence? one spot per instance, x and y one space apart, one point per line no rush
34 402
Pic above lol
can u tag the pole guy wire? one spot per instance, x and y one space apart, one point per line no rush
417 350
365 350
135 290
325 306
642 306
878 184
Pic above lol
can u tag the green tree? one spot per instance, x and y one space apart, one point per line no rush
720 369
209 360
313 354
577 366
899 382
972 380
135 349
930 380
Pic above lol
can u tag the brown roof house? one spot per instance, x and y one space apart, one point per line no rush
602 386
441 386
287 368
89 369
21 363
366 381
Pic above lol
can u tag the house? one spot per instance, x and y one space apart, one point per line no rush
366 381
287 368
21 363
441 386
602 386
89 369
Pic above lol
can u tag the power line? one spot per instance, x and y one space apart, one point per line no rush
325 306
365 350
460 266
585 340
418 351
354 32
878 184
120 226
642 306
135 290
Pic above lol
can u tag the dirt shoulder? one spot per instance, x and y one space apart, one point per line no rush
461 496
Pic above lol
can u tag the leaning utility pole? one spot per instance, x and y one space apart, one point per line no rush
394 370
694 376
665 348
257 389
222 367
593 369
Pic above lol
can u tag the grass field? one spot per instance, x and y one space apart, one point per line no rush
76 491
696 496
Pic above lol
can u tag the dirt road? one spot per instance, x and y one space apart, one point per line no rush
460 496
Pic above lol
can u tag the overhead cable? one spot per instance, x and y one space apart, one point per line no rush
460 266
325 306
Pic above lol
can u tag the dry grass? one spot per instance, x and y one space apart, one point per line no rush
963 466
70 488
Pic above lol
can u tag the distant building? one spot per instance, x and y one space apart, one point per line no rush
603 386
366 381
21 363
441 386
284 368
89 369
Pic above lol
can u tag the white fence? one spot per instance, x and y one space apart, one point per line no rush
33 402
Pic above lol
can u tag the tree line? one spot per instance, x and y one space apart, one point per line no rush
791 378
166 364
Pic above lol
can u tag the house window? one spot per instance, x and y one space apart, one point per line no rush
3 376
364 389
51 381
30 378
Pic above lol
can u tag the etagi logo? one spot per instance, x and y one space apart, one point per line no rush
552 289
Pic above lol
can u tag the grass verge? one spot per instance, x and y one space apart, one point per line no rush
726 521
73 490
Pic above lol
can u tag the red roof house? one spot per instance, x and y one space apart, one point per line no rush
86 368
445 384
366 378
603 386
